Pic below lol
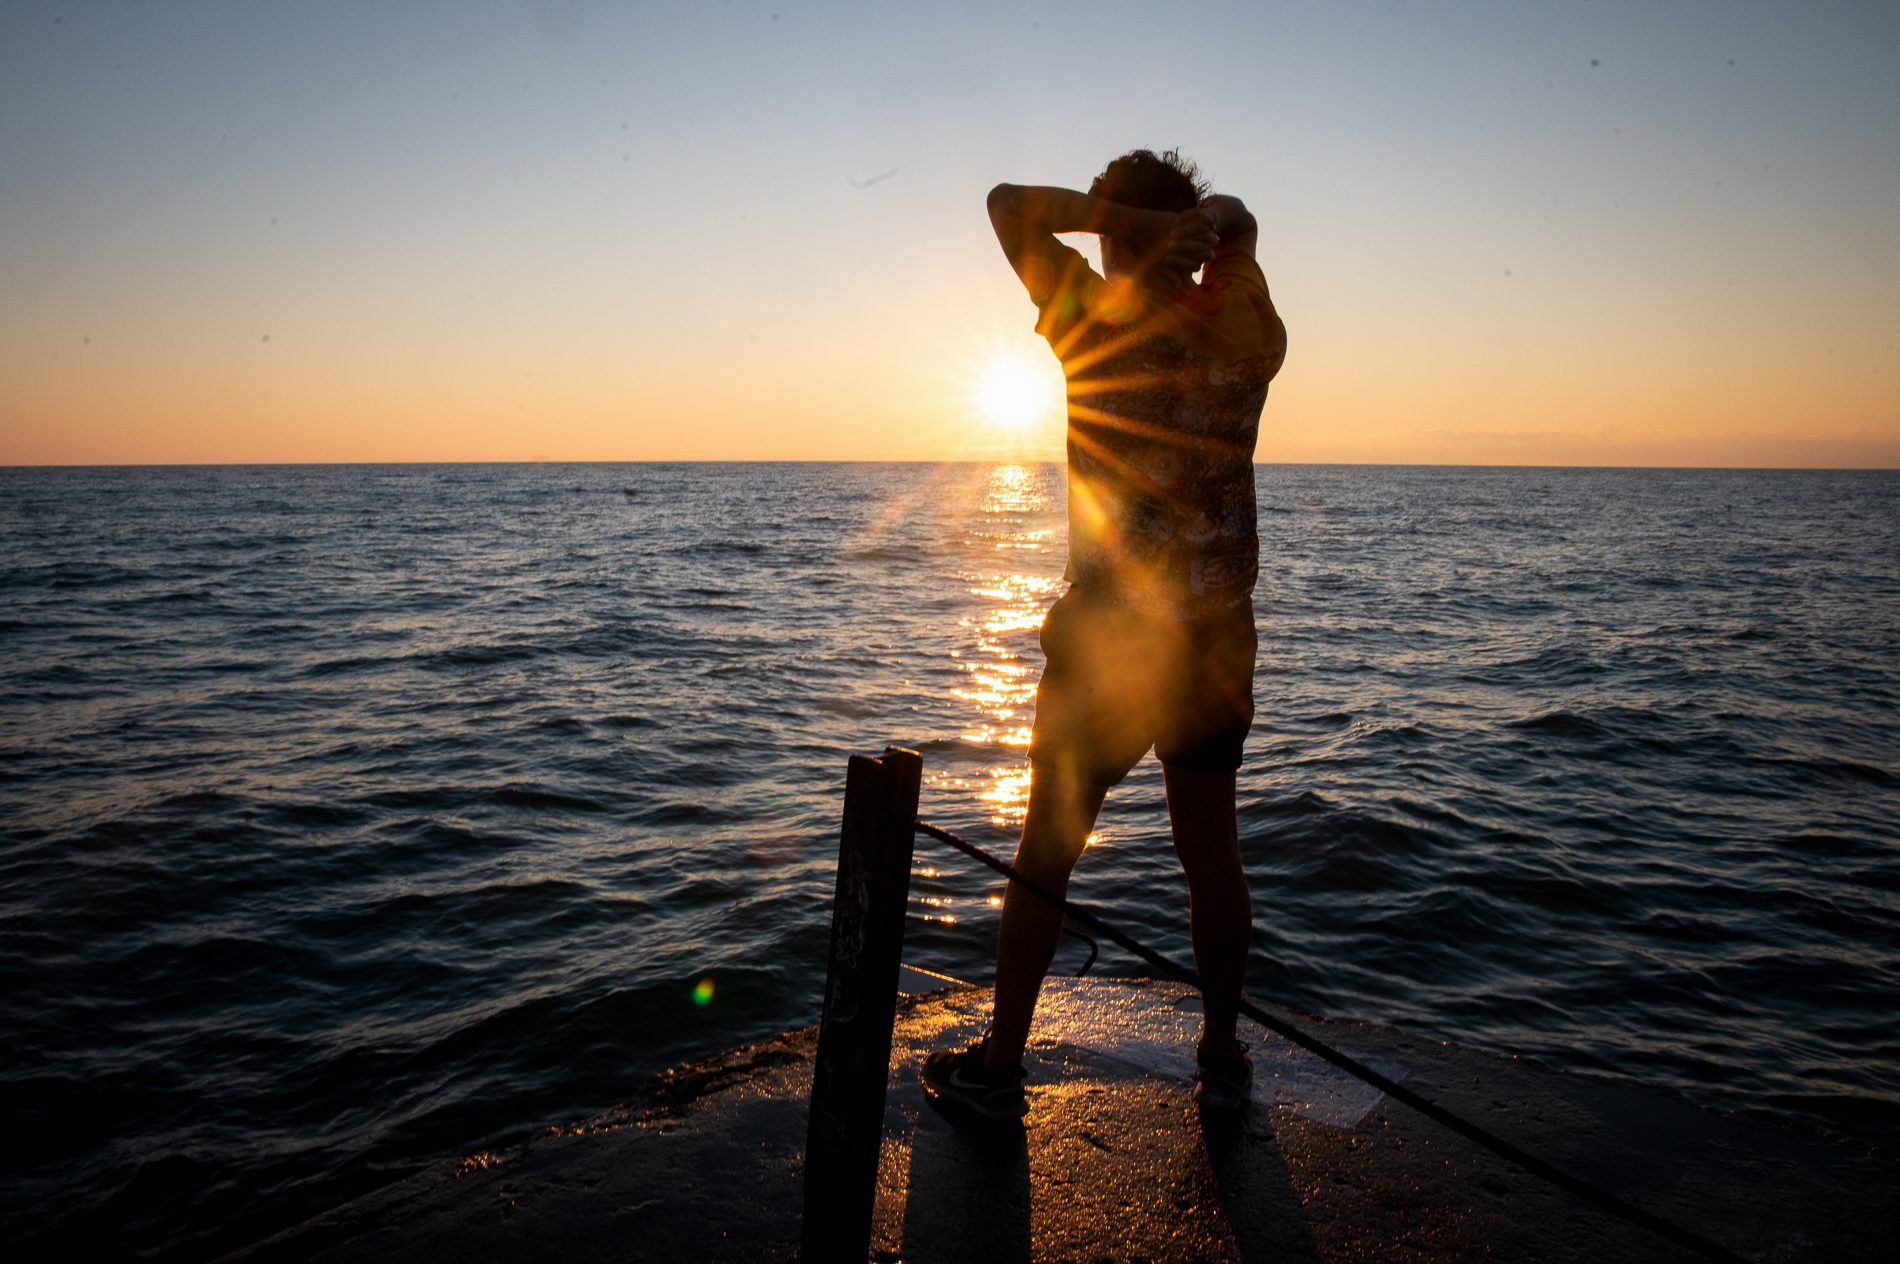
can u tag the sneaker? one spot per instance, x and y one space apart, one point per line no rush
1223 1084
955 1080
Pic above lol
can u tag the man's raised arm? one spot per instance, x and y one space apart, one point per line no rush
1028 217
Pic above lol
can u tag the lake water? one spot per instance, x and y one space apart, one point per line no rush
355 817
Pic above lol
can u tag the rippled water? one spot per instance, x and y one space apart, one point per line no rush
353 817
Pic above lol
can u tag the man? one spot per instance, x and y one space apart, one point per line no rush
1153 644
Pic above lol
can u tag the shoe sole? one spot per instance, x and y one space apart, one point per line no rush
955 1107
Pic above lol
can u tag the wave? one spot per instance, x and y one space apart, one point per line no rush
343 829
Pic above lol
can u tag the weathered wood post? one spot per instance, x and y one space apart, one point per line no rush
846 1128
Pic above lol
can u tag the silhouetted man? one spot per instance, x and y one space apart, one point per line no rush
1153 644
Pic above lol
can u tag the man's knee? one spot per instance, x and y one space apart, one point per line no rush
1062 811
1055 837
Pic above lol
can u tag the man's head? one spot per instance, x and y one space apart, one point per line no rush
1153 182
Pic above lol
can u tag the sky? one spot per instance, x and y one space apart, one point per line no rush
1562 233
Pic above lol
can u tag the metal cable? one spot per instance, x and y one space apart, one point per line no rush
1093 949
1601 1199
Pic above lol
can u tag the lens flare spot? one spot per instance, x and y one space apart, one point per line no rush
703 991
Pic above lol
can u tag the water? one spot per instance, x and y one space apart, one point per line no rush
355 817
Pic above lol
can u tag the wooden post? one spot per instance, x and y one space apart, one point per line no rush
846 1127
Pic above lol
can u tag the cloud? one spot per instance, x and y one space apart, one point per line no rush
1866 448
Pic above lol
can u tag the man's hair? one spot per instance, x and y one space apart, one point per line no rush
1151 181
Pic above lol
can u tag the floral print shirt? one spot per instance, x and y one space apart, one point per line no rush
1165 392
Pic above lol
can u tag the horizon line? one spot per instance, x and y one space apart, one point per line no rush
1442 465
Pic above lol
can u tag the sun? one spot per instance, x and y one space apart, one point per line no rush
1017 394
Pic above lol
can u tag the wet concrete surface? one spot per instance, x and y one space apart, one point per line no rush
1114 1162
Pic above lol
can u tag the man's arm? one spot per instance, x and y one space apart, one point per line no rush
1028 217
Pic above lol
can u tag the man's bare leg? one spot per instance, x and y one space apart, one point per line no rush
1202 814
1062 811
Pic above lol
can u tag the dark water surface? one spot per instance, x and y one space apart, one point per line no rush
353 817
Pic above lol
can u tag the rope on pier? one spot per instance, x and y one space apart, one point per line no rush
1601 1199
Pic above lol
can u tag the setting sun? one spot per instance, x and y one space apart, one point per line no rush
1015 393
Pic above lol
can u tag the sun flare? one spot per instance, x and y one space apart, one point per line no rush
1017 394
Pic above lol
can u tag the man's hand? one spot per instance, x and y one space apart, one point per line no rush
1190 241
1233 223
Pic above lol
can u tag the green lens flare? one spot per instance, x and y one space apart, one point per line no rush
702 991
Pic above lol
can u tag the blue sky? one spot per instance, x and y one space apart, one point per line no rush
1596 232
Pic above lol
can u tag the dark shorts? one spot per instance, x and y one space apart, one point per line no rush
1118 682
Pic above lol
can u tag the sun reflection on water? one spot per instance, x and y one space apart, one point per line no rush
1008 795
1011 577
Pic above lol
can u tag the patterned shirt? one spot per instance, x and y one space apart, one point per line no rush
1165 391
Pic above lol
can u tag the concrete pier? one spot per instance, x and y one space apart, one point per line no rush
1115 1164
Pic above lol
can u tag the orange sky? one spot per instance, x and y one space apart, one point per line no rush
1596 239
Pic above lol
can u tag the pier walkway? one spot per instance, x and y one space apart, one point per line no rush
1113 1163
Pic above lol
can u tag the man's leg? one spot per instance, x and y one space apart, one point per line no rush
1062 810
1202 814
